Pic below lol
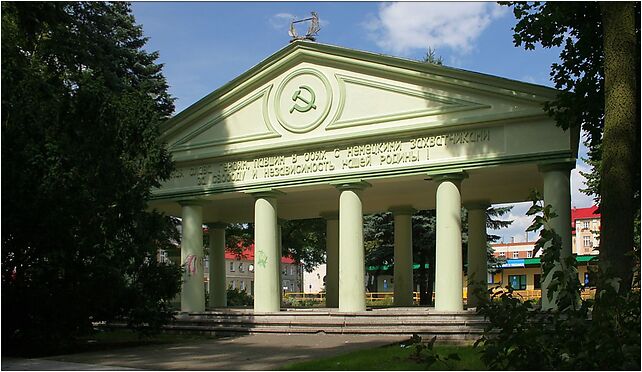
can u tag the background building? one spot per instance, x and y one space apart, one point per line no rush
239 272
586 230
314 282
522 269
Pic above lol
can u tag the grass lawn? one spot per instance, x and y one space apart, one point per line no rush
394 357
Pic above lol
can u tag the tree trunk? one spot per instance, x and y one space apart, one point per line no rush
618 157
424 300
432 256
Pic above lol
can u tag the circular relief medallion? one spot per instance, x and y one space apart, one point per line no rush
303 100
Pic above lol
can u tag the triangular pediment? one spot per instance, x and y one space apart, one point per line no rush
314 94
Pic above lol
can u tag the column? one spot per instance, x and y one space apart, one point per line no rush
477 259
193 290
448 261
352 293
218 290
332 259
267 253
557 193
279 239
403 288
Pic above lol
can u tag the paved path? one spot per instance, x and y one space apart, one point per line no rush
16 364
249 352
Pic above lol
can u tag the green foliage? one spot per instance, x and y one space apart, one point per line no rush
599 59
378 237
577 334
382 302
425 353
304 241
237 297
81 107
302 302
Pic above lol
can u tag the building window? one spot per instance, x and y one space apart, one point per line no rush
292 270
243 285
231 265
587 241
241 269
529 254
586 224
502 254
537 281
515 254
250 267
517 281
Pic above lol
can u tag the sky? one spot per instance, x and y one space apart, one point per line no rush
204 45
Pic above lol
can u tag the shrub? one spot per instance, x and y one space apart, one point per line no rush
236 297
578 335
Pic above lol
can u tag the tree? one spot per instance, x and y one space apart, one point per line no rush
424 241
599 79
304 241
378 242
81 106
378 236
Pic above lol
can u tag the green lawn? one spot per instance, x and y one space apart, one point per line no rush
394 357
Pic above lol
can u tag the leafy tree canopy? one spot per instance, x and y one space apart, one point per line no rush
599 82
81 106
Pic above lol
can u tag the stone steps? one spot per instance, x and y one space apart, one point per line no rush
464 326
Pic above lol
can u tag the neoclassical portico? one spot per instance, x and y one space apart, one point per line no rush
318 131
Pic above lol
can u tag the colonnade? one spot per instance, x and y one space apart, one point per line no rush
345 277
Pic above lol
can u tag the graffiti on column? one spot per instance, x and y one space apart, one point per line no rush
192 264
262 259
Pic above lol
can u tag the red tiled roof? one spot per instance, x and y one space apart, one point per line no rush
583 214
248 254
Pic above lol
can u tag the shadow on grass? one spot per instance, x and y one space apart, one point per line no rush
393 357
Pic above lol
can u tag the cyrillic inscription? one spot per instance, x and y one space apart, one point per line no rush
340 160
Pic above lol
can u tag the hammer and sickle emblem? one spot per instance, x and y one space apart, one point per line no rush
309 104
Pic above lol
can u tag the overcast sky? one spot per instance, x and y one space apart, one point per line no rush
206 44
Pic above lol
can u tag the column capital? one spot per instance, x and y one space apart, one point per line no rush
354 184
557 165
402 210
192 202
216 225
265 193
331 215
453 175
477 204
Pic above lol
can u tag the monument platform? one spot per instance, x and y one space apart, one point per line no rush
447 326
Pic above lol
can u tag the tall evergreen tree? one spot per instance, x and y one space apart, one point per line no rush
81 106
